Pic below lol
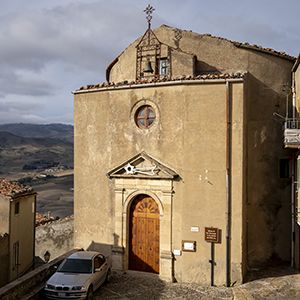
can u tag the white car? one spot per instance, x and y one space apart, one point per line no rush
78 276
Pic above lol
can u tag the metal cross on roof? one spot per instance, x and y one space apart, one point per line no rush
149 11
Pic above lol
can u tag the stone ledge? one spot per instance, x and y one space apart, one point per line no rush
19 288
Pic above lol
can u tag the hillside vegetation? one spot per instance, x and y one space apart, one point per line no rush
28 147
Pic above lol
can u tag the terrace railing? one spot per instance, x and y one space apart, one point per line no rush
292 133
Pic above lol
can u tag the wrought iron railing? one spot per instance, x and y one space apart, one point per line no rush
292 123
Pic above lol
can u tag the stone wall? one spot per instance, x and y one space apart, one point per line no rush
30 284
4 259
55 237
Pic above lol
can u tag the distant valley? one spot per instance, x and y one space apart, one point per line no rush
40 156
35 147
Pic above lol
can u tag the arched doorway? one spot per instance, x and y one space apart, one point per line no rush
144 234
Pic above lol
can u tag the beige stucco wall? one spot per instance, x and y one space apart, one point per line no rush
4 259
297 87
4 215
22 230
189 135
268 196
4 239
213 54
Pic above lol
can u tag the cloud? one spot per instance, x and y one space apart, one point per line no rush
77 34
254 32
33 110
19 106
49 48
20 111
22 82
81 36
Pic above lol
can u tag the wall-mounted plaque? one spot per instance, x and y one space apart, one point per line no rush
177 252
194 229
189 246
212 235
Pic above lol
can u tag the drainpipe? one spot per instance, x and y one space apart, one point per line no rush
294 96
294 185
228 181
294 171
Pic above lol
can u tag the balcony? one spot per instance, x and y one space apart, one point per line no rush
292 133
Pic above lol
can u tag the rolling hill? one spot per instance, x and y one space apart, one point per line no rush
55 131
30 147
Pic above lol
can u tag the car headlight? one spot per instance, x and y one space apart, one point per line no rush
50 286
77 288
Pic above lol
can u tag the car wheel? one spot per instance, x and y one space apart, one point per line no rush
108 276
90 294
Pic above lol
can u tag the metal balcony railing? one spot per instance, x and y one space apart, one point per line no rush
292 123
292 133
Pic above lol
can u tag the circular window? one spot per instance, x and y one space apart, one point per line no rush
144 116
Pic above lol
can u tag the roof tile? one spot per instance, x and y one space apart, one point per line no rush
210 76
13 188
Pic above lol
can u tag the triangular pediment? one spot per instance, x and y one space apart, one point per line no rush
142 166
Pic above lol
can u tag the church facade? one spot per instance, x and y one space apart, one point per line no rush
179 163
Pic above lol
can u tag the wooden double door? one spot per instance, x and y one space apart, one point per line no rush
144 235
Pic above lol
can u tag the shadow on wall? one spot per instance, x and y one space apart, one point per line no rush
268 193
105 249
204 68
4 258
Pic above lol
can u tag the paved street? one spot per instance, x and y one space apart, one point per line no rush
133 285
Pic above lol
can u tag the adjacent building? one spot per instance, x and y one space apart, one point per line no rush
17 227
179 158
292 143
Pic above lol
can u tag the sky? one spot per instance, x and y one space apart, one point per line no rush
49 48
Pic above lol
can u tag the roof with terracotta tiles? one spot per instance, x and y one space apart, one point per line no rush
13 188
242 44
210 76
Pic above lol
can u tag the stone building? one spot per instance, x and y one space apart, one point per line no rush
17 225
292 142
178 158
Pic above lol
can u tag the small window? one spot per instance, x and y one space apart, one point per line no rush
164 67
145 116
16 254
284 168
17 208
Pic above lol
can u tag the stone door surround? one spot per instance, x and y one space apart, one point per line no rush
143 174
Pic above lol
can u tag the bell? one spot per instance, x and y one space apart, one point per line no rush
148 67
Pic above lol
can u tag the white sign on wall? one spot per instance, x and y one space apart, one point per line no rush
194 229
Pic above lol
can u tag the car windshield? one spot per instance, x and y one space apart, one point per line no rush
76 266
